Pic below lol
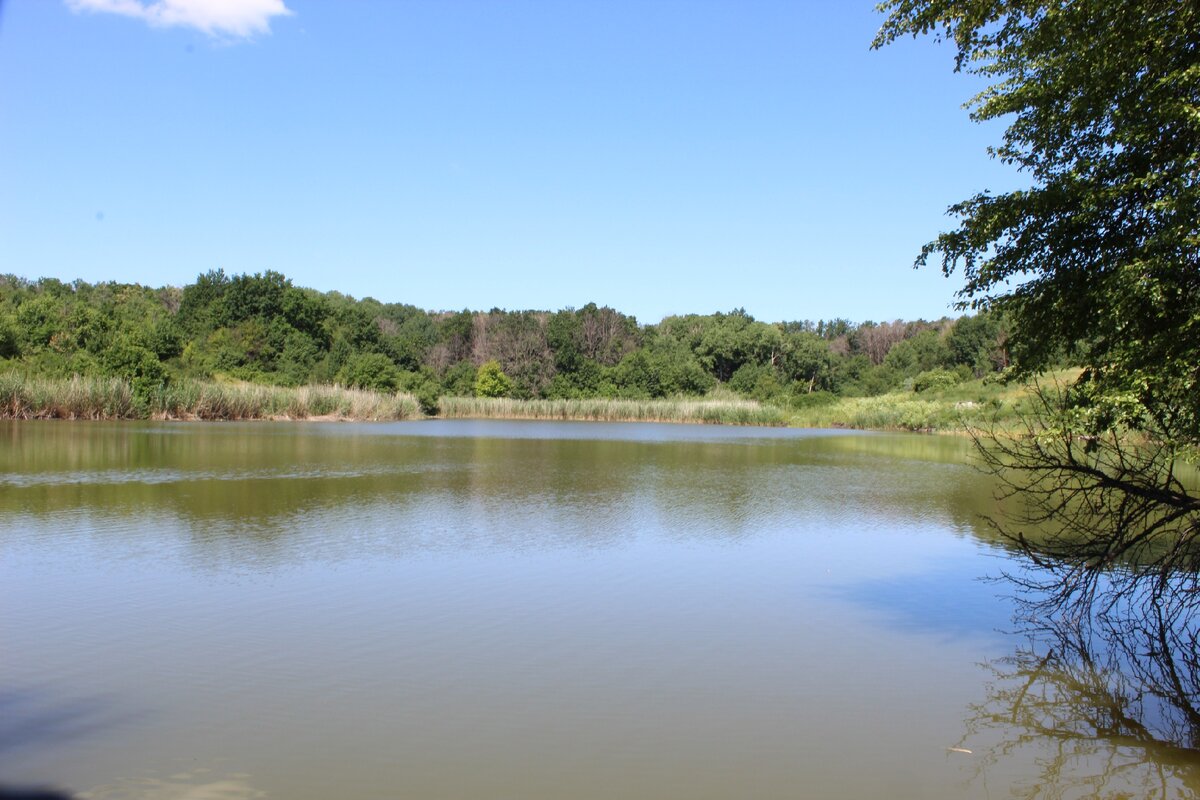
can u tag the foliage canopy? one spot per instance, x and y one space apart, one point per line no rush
1100 256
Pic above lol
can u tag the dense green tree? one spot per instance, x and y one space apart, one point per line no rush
1100 254
564 335
925 351
724 342
249 296
306 311
297 359
978 342
459 380
665 367
806 359
340 351
354 324
200 303
737 339
42 319
637 375
586 380
409 340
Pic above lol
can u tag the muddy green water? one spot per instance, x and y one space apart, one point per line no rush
521 610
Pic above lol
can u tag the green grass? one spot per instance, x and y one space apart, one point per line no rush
956 408
695 410
25 397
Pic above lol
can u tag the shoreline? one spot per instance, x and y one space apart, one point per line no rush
327 418
111 399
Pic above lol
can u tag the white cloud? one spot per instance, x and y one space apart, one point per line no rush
239 18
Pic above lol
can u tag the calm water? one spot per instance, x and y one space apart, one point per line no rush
524 610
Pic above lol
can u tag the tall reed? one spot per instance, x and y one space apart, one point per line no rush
234 401
727 412
78 397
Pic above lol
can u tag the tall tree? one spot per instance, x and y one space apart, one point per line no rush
1100 255
1098 258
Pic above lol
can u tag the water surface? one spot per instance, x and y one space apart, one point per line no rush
466 609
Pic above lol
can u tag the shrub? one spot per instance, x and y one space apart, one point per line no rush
935 379
802 399
427 398
137 364
373 371
492 382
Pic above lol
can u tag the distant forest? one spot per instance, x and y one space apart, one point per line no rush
261 328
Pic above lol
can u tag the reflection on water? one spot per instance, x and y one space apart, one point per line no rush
197 783
1120 704
293 481
468 609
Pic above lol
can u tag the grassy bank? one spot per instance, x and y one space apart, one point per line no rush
895 411
722 411
971 404
78 397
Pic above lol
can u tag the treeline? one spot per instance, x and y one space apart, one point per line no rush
260 328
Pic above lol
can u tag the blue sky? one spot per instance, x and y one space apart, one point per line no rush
659 157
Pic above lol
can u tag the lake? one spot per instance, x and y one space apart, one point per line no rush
482 609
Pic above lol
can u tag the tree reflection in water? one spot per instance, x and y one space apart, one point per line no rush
1101 706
